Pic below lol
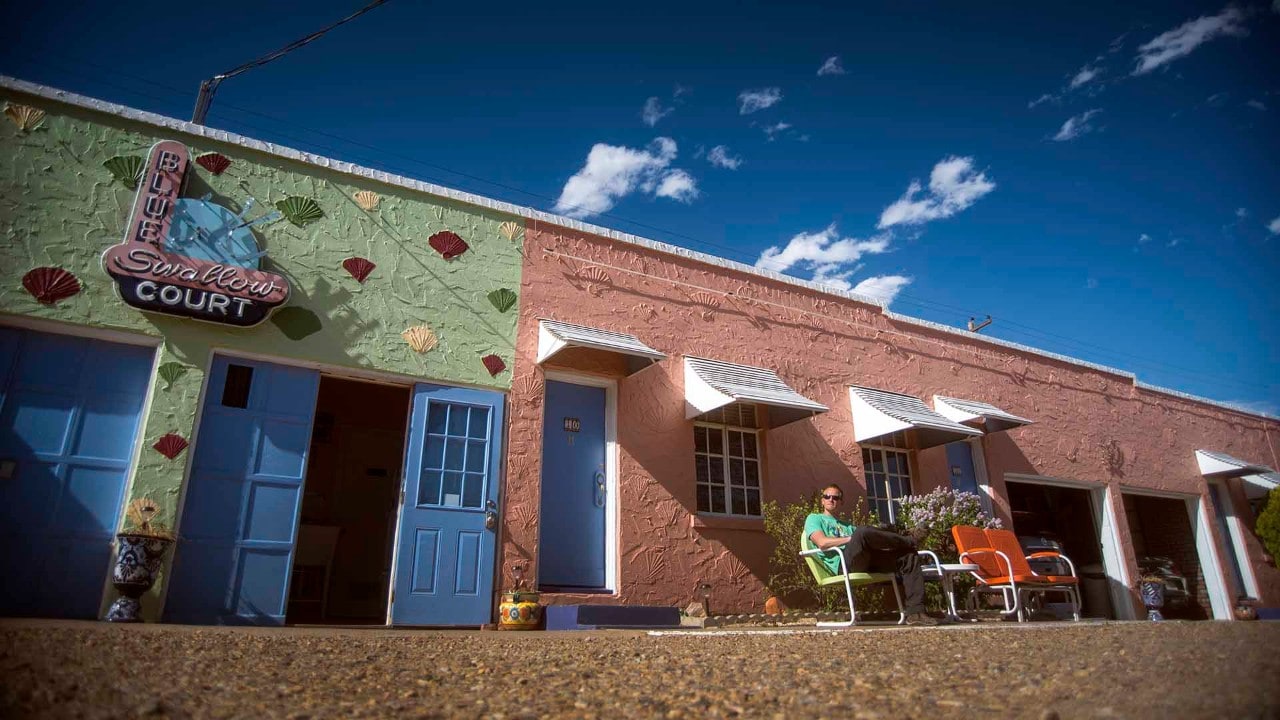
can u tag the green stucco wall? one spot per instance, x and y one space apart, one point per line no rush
60 207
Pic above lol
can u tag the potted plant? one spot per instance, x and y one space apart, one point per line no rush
140 547
519 609
1151 588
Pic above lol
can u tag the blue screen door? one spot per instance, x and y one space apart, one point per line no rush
69 414
240 515
571 551
445 549
960 467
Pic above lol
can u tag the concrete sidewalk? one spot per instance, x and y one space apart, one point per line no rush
1088 670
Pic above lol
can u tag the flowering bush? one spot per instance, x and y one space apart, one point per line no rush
928 519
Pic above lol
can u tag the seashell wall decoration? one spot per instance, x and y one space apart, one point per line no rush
503 299
358 267
421 338
493 364
511 230
296 322
125 168
48 285
707 300
593 274
171 445
367 200
448 244
214 162
27 118
170 372
300 210
141 511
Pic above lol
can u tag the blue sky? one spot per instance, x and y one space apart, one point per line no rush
1100 178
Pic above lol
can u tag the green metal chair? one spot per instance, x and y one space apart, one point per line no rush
824 576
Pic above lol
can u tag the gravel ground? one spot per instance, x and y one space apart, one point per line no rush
1039 671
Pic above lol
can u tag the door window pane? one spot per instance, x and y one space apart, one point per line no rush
478 427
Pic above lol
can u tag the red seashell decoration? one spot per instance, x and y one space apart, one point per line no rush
448 244
493 364
358 267
171 445
214 162
50 284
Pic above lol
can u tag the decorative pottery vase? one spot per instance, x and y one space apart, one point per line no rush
519 610
1152 592
1245 611
137 562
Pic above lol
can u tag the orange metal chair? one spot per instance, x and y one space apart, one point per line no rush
1003 568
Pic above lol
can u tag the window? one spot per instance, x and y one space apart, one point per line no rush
455 460
235 391
888 474
727 461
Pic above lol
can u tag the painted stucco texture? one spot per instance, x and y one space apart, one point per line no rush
1089 425
60 207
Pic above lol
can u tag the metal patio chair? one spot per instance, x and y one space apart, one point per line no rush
824 576
1003 568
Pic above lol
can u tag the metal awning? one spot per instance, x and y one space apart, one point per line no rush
1257 486
977 414
1216 464
554 337
711 384
878 414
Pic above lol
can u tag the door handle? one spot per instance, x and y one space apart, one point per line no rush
490 519
599 488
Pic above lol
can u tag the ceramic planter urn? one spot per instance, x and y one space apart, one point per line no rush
519 611
137 561
1152 592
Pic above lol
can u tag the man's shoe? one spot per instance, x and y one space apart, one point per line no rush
921 619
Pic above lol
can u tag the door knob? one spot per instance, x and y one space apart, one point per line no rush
599 488
490 519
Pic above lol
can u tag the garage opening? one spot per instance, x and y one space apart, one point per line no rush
343 555
1165 544
1051 517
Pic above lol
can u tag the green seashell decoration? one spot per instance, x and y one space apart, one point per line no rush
503 299
126 168
300 210
171 371
296 323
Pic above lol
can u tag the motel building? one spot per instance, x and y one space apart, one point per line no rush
359 398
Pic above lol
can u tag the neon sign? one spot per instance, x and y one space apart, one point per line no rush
190 257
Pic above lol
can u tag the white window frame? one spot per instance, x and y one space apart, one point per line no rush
726 482
866 479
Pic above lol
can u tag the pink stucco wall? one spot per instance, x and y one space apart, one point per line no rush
1090 425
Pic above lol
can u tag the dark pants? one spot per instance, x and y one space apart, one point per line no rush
875 550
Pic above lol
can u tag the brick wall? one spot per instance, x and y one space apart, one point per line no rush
1160 526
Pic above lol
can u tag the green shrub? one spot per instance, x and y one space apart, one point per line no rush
789 577
1268 525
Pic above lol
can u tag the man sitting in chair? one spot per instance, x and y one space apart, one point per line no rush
868 549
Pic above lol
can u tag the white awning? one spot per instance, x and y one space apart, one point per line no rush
711 384
878 413
1216 464
977 414
555 336
1257 486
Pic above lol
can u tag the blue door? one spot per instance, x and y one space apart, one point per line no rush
69 414
445 551
960 467
240 515
571 552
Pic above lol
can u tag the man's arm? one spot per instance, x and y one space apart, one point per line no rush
822 541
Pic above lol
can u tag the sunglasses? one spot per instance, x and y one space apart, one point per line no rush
832 497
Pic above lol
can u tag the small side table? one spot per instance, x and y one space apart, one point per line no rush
945 572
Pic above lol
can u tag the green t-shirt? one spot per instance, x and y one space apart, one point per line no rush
830 527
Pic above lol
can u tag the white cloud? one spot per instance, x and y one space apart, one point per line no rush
820 250
953 186
680 91
677 185
1085 75
612 172
773 130
653 111
882 287
1076 126
1273 227
832 66
1257 104
1182 40
1042 99
720 157
1242 213
750 101
1143 239
1173 243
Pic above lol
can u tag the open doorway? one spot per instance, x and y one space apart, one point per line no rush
1164 543
343 554
1053 517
